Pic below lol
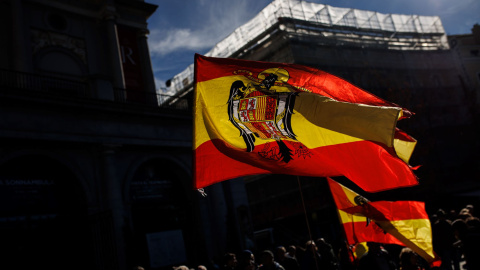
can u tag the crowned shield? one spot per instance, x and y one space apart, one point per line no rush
258 111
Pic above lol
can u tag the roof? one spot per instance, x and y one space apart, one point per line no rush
320 14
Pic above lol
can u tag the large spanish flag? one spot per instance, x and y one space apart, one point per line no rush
403 223
271 118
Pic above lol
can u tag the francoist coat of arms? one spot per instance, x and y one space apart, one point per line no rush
262 111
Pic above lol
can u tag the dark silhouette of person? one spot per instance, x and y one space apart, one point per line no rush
443 239
229 261
310 258
246 261
292 251
471 209
268 262
409 260
328 255
464 214
346 257
469 234
377 258
181 267
285 260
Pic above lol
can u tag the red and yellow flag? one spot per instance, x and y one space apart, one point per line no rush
403 223
272 118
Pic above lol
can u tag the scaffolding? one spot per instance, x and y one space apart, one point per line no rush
335 25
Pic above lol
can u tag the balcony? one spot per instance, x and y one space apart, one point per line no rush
34 85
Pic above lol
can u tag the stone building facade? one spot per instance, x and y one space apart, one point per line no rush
95 169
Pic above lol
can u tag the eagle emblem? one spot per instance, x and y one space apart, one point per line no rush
259 111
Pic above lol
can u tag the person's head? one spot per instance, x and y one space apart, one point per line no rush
441 214
292 250
374 247
138 267
230 260
322 244
246 257
460 228
452 215
408 257
470 208
464 214
266 257
473 223
310 246
201 267
181 267
281 252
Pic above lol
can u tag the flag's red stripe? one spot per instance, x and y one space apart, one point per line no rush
402 135
401 210
312 79
341 199
367 164
389 211
357 232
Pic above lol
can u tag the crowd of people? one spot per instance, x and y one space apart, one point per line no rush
456 240
315 255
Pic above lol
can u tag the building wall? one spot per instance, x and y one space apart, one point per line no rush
95 170
466 51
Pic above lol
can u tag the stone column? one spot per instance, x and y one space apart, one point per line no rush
113 48
21 45
114 204
146 66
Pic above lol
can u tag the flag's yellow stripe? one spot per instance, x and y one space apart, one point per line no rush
316 121
347 218
346 120
349 195
418 231
404 149
360 250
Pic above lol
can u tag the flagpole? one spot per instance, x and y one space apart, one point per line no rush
344 234
306 220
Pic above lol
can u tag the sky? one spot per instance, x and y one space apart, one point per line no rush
181 28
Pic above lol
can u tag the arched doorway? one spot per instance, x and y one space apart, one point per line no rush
161 215
42 216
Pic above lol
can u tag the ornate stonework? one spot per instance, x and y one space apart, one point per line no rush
43 39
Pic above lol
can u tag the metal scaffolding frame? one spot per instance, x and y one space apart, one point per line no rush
336 25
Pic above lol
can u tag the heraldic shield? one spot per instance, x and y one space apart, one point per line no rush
258 111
